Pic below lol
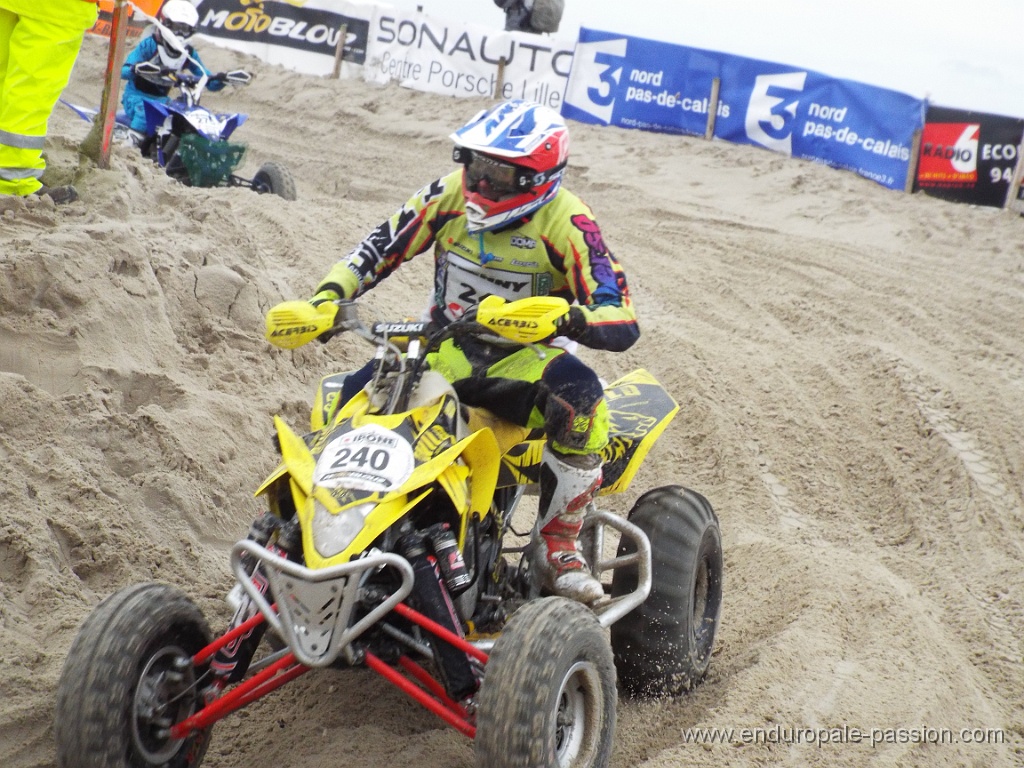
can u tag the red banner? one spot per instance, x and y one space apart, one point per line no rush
949 154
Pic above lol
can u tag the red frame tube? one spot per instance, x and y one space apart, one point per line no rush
207 653
287 668
445 634
426 680
455 719
245 693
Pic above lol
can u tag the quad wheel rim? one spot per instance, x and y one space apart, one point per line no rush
165 695
579 716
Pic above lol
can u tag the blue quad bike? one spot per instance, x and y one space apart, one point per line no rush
192 143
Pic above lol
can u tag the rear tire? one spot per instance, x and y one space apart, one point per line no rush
663 647
548 698
128 677
275 179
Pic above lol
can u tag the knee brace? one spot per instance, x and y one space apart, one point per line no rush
573 393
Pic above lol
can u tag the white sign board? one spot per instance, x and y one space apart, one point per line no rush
459 59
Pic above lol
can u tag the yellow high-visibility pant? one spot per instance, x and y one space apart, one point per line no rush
39 43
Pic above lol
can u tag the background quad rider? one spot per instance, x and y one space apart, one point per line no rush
181 18
502 224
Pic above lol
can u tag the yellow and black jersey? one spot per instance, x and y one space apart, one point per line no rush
558 250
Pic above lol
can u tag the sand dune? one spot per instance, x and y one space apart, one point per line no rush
849 362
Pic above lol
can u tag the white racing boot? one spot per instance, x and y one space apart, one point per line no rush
568 484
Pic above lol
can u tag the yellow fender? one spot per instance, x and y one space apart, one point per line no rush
481 455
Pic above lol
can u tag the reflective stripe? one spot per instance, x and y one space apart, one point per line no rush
17 174
21 141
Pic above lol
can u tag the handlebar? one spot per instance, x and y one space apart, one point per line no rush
187 80
403 346
427 333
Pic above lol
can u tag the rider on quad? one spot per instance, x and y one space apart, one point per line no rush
502 224
181 18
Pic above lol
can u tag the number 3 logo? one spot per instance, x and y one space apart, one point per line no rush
595 76
770 118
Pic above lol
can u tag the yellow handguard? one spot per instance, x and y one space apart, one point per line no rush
293 323
525 321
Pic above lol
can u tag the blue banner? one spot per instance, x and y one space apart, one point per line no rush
631 82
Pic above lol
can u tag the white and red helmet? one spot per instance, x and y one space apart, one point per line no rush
513 158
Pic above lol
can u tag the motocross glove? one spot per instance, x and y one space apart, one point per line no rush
341 280
573 325
323 296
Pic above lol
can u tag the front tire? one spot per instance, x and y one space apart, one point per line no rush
127 678
548 698
663 647
275 179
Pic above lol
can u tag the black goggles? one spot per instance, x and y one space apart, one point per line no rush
180 29
502 178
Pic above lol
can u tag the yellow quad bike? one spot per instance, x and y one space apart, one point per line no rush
388 542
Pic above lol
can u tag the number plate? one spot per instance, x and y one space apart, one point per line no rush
369 458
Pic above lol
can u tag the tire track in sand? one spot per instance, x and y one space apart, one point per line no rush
985 536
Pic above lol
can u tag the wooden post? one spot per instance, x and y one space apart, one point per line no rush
716 87
915 150
499 84
339 50
112 84
1013 193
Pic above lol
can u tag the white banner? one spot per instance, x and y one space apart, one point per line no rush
459 59
300 36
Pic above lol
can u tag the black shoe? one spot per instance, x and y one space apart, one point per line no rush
147 147
60 195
